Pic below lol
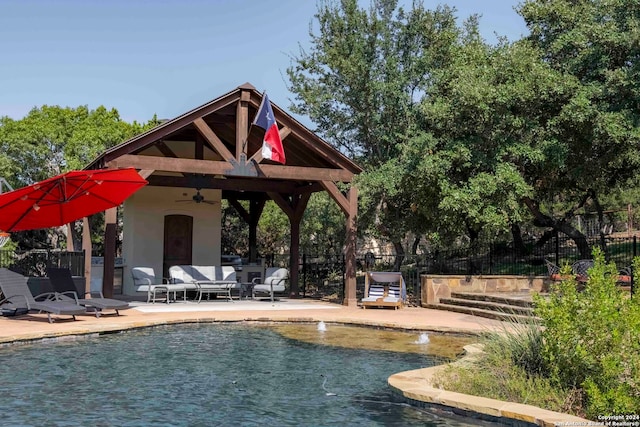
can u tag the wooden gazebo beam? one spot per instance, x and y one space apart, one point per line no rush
212 167
349 204
293 206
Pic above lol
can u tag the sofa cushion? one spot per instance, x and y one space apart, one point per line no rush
180 274
201 273
376 291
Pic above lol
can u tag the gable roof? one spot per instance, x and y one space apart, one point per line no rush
216 142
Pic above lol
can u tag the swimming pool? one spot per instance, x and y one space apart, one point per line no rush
204 375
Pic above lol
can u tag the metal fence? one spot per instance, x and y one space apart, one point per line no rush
34 263
503 258
325 274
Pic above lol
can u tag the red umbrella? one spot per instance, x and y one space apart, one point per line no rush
67 197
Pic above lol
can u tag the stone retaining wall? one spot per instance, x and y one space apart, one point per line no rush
440 286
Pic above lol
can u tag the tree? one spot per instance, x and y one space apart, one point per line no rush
322 230
50 140
597 44
360 84
486 145
460 137
235 232
273 230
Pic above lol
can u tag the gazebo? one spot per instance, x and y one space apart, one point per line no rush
214 152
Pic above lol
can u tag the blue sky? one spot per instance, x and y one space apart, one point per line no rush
165 57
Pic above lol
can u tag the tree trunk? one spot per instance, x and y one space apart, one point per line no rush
561 225
414 247
399 256
546 236
518 243
601 231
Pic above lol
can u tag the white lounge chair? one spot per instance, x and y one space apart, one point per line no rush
274 281
384 289
144 278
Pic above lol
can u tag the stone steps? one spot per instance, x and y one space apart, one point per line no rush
511 307
519 299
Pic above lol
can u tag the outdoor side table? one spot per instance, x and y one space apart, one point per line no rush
246 290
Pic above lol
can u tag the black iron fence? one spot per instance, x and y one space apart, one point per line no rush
503 258
322 275
34 263
325 274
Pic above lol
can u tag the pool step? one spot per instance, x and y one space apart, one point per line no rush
518 307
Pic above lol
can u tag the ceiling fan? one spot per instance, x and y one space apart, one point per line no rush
197 198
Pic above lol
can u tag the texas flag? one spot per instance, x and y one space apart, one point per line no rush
272 144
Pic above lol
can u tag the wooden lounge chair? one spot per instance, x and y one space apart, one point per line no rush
17 293
62 283
384 289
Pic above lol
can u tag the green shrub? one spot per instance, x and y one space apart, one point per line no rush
501 371
591 340
583 358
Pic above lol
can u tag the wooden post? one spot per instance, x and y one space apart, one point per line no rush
69 234
109 251
294 256
242 123
350 250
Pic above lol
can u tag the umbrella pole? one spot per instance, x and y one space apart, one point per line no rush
86 247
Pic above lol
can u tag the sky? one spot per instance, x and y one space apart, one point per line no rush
166 57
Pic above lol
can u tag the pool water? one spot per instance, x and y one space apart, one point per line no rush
205 375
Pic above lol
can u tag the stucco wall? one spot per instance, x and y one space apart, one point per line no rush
436 287
143 228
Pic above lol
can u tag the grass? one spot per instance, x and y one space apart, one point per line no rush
510 369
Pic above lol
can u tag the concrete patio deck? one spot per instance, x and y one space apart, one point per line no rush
414 385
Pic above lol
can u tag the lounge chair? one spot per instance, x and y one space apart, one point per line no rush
62 283
625 276
144 278
384 289
555 275
581 269
274 282
17 293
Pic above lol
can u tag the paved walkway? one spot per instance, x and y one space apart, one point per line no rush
35 326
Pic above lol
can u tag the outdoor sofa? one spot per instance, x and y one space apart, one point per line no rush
205 279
